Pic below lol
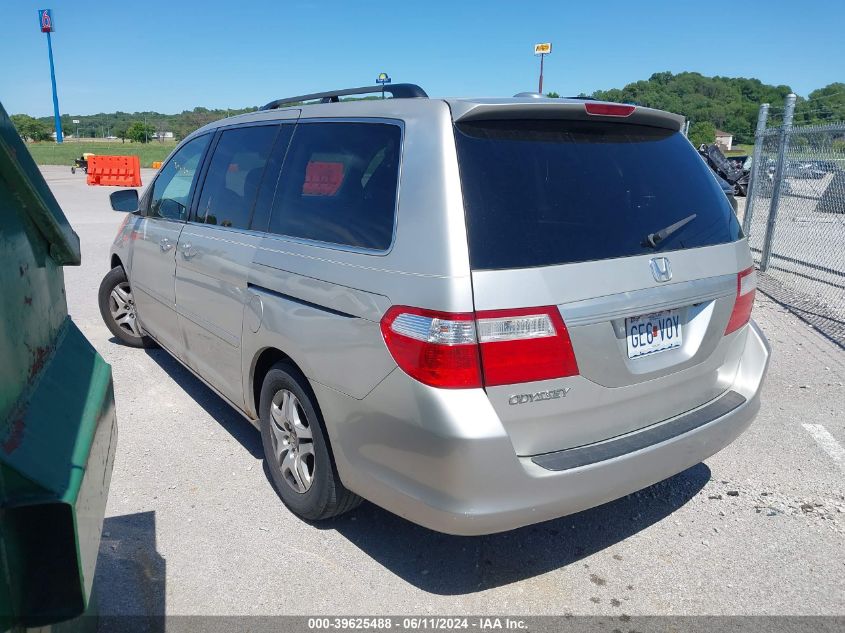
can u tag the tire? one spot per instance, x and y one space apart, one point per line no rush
73 170
117 307
296 451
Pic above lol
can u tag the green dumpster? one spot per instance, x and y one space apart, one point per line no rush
58 430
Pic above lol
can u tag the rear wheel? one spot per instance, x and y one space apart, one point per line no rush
117 307
295 447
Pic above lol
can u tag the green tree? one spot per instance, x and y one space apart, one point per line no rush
825 105
553 95
121 131
140 132
729 103
30 128
702 132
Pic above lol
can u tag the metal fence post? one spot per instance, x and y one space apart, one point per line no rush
756 157
777 180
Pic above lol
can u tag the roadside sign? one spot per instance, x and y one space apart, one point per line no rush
45 20
76 120
543 49
383 79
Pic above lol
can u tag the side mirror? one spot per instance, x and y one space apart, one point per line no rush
124 200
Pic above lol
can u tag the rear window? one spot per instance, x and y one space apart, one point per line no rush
545 192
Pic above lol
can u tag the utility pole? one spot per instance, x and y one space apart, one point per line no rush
45 21
542 50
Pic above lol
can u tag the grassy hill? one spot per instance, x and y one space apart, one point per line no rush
729 103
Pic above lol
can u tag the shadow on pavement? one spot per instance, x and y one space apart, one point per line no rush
214 405
824 319
449 565
454 565
130 576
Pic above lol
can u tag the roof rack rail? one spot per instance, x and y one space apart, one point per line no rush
398 91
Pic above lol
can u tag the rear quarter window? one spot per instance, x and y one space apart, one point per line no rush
546 192
339 184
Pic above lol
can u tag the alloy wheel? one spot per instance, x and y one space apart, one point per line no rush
293 443
122 309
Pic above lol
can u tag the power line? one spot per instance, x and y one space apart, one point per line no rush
811 110
809 101
832 94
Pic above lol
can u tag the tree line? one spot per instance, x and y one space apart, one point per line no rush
141 127
726 103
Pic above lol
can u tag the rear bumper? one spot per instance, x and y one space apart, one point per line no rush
442 459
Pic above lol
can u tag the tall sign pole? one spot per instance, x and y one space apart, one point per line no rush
542 50
45 21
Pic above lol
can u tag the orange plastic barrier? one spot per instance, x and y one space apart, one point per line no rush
114 171
322 178
156 164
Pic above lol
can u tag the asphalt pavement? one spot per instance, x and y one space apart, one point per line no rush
193 525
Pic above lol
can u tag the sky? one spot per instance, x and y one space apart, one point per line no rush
168 56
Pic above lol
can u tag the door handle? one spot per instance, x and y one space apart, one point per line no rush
165 244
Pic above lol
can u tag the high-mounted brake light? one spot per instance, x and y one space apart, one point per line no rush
609 109
494 347
746 288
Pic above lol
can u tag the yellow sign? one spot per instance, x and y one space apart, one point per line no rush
543 49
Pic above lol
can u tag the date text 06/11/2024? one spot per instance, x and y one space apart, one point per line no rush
427 623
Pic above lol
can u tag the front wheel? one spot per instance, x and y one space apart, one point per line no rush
117 307
296 450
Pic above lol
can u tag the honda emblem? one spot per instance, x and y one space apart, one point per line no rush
660 269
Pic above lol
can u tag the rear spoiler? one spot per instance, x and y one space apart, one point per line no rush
574 110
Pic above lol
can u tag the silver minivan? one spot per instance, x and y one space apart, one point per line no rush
475 313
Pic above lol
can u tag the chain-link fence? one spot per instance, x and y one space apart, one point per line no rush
795 219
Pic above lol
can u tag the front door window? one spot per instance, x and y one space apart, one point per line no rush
172 188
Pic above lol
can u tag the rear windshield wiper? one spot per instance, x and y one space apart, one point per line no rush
653 239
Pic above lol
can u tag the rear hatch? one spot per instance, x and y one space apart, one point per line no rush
606 266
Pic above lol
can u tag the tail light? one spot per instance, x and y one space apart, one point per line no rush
609 109
524 345
495 347
746 287
436 348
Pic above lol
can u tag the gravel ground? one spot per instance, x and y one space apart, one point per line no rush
194 527
807 267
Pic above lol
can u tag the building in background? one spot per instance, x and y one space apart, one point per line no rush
724 140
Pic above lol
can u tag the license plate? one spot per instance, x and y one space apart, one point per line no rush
652 333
